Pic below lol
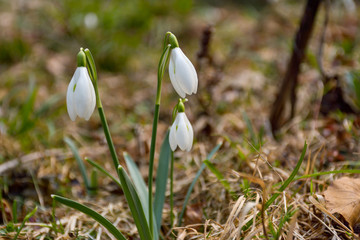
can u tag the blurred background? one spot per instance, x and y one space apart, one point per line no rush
239 48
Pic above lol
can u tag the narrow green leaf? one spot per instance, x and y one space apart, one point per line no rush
187 197
161 179
289 180
283 186
91 213
355 171
135 206
93 182
138 182
27 217
79 161
14 211
140 187
285 218
218 175
98 167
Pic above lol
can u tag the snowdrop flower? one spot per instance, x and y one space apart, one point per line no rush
182 73
181 132
80 97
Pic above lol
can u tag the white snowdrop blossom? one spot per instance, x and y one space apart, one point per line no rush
80 97
182 73
181 133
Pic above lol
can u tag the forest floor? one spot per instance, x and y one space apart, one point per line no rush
257 187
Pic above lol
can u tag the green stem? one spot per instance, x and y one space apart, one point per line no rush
172 190
107 134
161 69
151 162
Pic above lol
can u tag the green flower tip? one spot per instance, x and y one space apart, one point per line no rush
181 106
173 40
81 58
52 195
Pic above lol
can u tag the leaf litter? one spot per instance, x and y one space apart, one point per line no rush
256 51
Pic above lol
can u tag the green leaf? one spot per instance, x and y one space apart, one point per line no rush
98 167
135 206
283 186
218 175
79 161
289 180
91 213
140 188
138 182
161 179
187 197
14 211
354 171
27 217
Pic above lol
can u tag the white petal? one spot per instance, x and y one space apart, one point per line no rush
172 139
172 75
92 100
70 96
190 134
83 95
184 72
182 132
192 73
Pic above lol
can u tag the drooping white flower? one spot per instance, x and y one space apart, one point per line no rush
181 133
182 73
80 97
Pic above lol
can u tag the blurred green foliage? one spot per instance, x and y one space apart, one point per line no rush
114 30
118 33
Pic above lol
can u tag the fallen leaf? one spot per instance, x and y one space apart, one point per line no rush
343 197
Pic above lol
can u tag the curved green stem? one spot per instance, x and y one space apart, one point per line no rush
161 69
108 136
90 63
172 190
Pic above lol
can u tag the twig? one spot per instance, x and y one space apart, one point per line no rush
287 90
319 55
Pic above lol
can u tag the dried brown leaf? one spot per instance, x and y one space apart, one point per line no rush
343 197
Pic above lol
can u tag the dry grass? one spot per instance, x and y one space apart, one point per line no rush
241 78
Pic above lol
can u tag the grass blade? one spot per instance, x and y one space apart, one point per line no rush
161 179
355 171
79 161
98 167
27 217
135 206
91 213
289 180
187 197
218 175
283 186
14 211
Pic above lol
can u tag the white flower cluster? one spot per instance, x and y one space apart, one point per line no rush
185 81
81 99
